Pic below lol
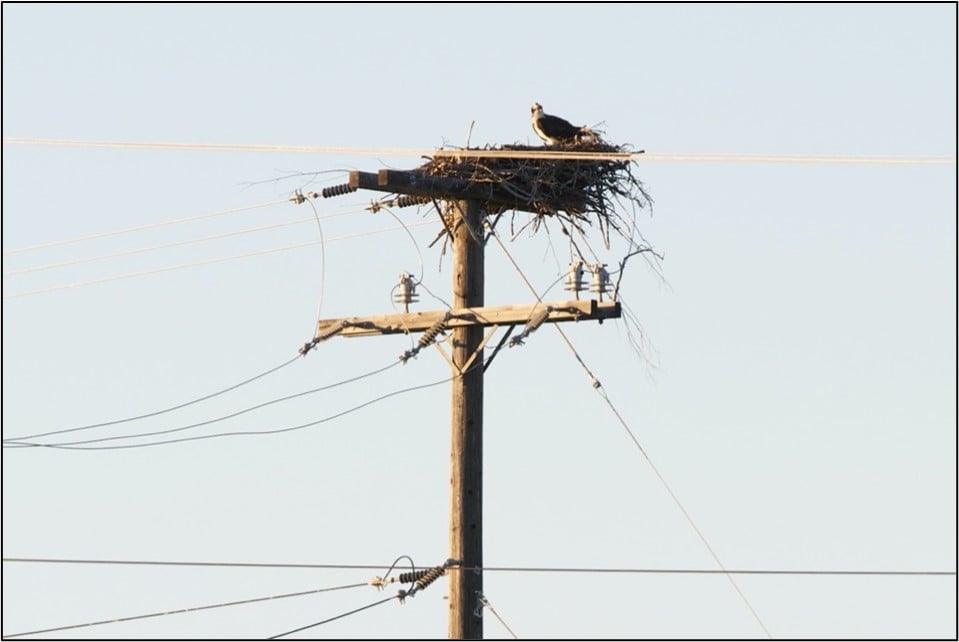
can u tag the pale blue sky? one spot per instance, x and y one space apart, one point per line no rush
800 388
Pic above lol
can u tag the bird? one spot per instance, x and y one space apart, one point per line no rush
555 130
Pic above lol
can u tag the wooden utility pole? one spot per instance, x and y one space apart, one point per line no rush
466 448
465 321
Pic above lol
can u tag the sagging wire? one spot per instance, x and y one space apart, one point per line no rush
405 291
22 443
157 412
319 226
259 432
407 201
299 198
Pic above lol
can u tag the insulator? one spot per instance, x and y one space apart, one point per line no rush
412 576
429 336
337 190
537 319
430 576
332 330
574 278
600 282
406 200
405 292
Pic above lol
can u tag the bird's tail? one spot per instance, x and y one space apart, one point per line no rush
586 132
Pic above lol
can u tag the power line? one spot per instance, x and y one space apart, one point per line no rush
497 569
240 432
319 227
158 412
598 387
187 610
192 264
710 571
342 615
549 154
800 159
164 246
218 147
20 442
128 230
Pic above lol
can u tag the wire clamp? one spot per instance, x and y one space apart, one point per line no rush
331 331
480 603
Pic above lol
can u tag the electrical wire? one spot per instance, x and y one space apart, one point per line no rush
128 230
485 602
253 432
342 615
23 443
193 264
686 514
598 387
480 153
495 569
156 412
319 226
416 246
186 610
397 561
164 246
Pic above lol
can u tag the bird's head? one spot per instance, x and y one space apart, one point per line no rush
536 110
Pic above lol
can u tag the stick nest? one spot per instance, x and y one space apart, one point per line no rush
574 192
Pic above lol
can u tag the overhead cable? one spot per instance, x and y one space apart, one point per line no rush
595 383
193 264
11 443
164 246
499 569
342 615
186 610
148 226
21 442
549 154
156 412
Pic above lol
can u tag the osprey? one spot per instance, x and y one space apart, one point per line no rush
554 130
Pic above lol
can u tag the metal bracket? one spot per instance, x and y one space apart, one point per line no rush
480 603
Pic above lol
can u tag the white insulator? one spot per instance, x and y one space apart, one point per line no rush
405 292
574 278
600 281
